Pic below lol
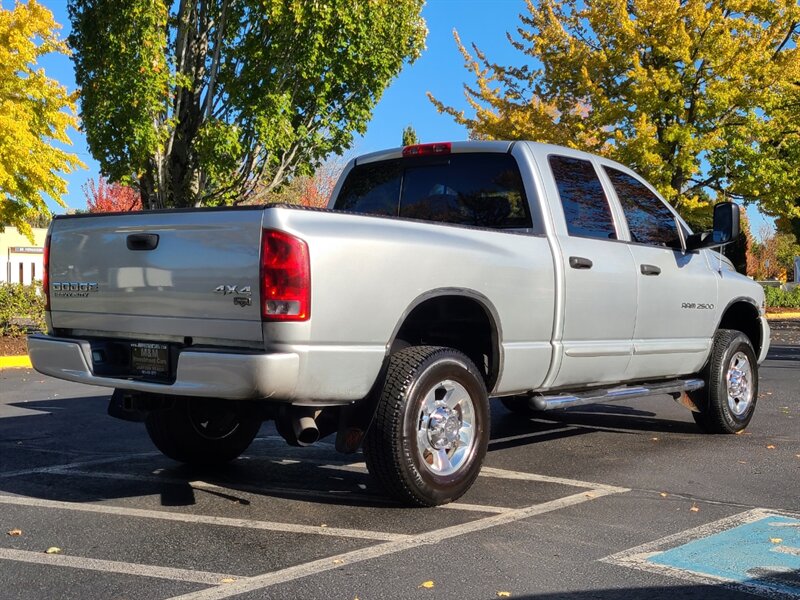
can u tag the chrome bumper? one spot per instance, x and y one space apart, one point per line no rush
207 374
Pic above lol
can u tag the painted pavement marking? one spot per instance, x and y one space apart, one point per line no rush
504 474
757 552
203 519
260 582
113 566
76 465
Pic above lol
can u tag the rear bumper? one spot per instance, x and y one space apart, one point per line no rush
225 375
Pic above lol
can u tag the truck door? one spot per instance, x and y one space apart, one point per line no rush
676 290
599 293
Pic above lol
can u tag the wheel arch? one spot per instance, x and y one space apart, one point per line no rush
742 314
462 319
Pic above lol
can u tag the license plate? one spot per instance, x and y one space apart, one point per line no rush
150 360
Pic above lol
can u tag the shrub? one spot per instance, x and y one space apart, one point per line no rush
779 298
21 308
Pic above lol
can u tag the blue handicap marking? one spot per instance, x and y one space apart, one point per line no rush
764 554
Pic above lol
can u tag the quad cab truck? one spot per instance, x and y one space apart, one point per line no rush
440 275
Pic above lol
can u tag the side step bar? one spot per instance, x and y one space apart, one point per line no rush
674 388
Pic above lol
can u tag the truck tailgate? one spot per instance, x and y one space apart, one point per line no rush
158 275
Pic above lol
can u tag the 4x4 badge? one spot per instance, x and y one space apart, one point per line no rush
227 290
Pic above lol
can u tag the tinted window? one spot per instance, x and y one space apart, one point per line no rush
649 220
483 190
585 205
477 189
373 189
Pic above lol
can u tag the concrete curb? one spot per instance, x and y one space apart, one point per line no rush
785 315
15 362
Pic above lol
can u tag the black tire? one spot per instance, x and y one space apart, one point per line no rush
402 445
520 405
202 431
728 400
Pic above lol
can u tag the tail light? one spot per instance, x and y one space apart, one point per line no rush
285 277
428 149
46 273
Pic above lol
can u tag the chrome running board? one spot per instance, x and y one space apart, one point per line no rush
674 388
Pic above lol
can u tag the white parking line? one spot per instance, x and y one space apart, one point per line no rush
476 507
75 465
532 435
504 474
204 519
787 550
260 582
113 566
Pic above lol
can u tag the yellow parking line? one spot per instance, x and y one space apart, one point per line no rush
15 362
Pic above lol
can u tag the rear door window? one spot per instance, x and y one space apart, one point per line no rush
585 205
475 189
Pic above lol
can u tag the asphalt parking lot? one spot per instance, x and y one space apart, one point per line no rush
624 499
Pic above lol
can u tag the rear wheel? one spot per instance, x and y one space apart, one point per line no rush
728 400
431 429
202 431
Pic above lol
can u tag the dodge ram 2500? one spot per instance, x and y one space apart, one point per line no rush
440 275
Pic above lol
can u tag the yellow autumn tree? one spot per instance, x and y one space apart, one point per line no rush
699 96
35 113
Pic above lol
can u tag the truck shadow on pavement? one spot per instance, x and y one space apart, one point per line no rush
72 451
784 353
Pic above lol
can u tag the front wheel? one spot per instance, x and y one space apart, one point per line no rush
202 431
431 429
728 400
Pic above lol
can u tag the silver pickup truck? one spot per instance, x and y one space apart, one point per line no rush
440 275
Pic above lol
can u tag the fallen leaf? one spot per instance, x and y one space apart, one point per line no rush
664 494
427 584
503 594
227 580
338 561
53 550
771 447
324 525
589 495
776 540
695 508
15 532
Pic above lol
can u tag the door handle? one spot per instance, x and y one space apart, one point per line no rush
142 241
578 262
650 270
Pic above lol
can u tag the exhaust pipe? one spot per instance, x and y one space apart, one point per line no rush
305 427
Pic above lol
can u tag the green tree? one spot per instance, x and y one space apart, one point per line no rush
409 136
35 113
203 103
700 96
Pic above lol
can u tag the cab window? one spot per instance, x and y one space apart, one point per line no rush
585 205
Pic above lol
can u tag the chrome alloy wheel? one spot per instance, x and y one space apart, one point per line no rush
445 428
740 384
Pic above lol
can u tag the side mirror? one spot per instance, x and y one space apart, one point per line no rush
726 222
726 228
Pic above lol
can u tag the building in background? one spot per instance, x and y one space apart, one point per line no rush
20 260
